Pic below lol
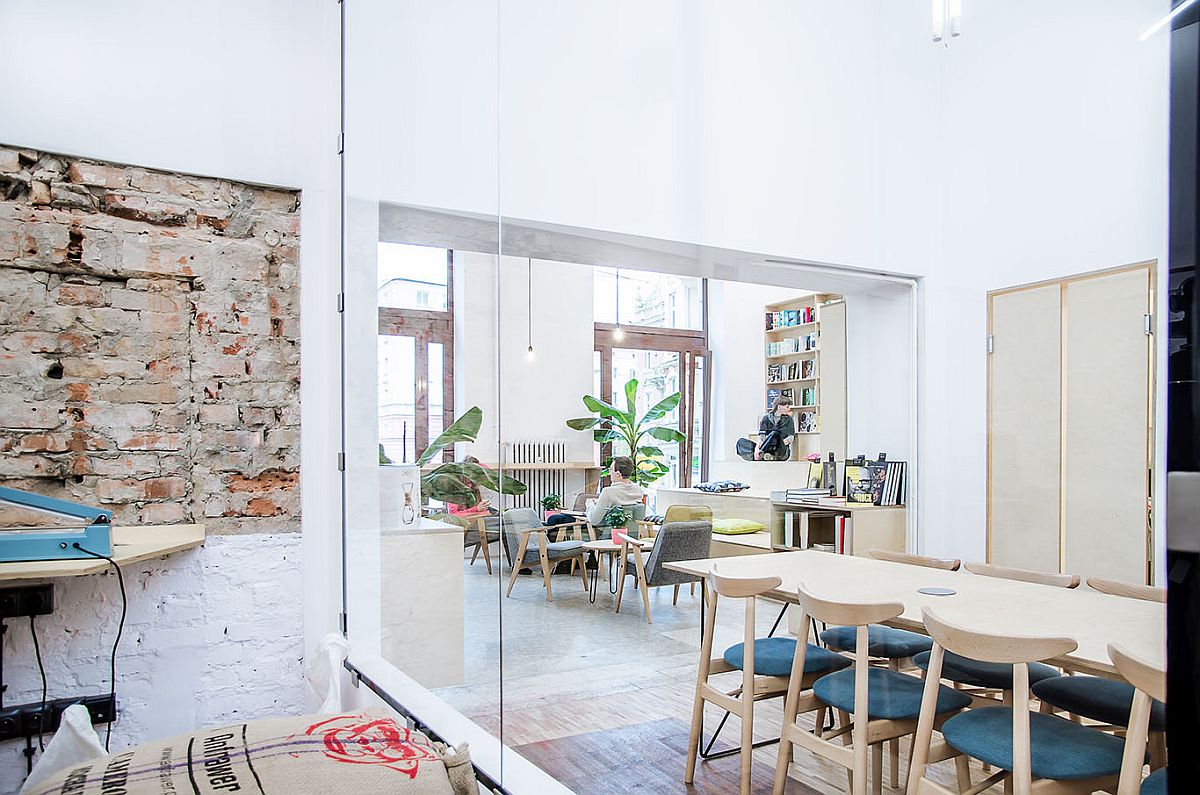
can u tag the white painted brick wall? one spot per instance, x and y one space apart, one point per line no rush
213 636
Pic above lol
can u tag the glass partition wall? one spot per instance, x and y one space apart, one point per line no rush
501 306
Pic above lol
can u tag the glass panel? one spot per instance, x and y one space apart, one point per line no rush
697 431
657 373
412 277
435 389
659 300
397 397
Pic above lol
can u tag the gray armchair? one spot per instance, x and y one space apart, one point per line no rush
519 526
675 541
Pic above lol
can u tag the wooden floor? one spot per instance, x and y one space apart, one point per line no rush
602 701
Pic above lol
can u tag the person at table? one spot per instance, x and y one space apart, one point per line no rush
481 507
623 491
775 432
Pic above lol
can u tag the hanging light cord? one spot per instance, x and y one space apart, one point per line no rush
529 298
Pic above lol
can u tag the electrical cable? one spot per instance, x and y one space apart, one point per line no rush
37 652
117 642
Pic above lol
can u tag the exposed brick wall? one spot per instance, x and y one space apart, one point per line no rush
149 342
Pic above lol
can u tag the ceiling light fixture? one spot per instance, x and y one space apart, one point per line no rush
946 14
955 18
939 20
1162 23
529 305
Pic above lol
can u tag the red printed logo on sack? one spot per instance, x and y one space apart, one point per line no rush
373 742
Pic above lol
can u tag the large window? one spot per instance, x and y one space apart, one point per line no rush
643 298
416 344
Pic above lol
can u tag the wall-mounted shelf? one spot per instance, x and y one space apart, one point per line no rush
130 545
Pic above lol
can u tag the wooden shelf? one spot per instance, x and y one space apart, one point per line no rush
130 545
813 352
811 325
792 381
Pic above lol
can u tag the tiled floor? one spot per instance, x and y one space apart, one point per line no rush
603 700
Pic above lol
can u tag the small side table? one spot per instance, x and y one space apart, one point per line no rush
604 546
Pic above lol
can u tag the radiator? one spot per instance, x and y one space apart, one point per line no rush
532 461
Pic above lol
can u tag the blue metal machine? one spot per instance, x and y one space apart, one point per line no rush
91 530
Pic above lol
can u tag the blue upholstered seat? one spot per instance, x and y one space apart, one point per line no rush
773 657
1060 749
555 550
1155 783
957 668
890 694
1094 697
886 642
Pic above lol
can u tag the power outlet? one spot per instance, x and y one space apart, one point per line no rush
29 719
27 600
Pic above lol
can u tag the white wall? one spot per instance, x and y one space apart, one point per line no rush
245 91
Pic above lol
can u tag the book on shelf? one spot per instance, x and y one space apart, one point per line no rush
839 539
879 482
789 393
816 476
808 368
805 495
808 397
808 422
772 396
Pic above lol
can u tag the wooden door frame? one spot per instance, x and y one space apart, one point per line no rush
1151 267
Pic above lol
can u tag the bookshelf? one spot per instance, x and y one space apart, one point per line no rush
792 363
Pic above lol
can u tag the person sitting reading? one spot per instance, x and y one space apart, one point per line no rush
623 491
775 432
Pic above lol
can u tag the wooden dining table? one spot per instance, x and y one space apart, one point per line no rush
991 604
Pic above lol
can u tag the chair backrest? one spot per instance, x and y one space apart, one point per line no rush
1145 676
512 522
741 587
688 513
581 500
1148 593
949 564
1024 575
842 613
677 541
1015 649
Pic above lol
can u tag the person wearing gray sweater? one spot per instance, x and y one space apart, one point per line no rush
623 491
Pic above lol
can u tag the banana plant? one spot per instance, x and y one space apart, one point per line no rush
458 482
612 424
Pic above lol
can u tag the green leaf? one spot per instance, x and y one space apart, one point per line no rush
464 429
667 434
631 390
482 476
584 423
603 409
449 487
662 408
651 451
604 437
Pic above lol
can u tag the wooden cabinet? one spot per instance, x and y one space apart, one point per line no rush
1070 424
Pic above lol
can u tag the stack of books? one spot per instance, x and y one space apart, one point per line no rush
805 495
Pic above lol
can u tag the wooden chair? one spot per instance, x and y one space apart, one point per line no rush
1106 700
518 526
1024 575
885 704
985 678
675 541
1150 682
766 664
1033 752
888 643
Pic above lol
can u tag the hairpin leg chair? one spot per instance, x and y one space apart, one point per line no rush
885 704
1107 700
1150 683
888 643
766 665
1034 753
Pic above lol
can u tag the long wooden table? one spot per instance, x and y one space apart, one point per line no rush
1007 607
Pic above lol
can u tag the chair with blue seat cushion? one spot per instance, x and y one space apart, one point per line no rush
884 704
518 526
1062 756
767 665
890 643
1149 680
1097 698
979 673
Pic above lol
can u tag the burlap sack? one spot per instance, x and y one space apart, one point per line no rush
363 753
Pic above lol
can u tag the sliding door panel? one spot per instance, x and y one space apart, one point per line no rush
833 380
1107 416
1024 429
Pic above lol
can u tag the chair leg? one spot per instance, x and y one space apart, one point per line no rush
844 722
693 589
747 755
820 721
675 597
516 568
620 588
877 769
487 552
582 571
962 768
894 745
475 554
546 567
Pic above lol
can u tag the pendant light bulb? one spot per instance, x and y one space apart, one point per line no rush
529 354
618 334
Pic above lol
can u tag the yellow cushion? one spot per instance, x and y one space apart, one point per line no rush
736 527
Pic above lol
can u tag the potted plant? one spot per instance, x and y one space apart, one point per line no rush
612 424
551 504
